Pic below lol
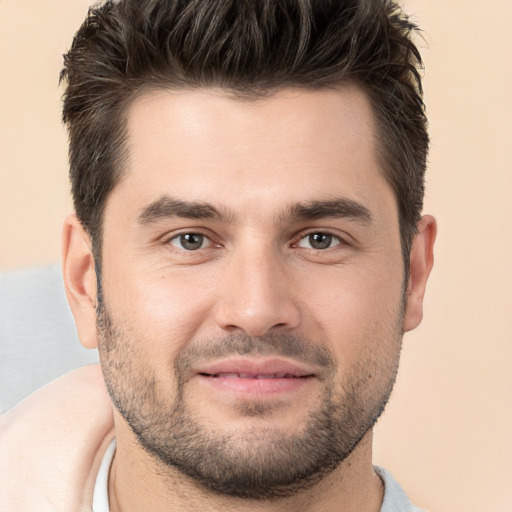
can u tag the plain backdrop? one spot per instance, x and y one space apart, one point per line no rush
446 434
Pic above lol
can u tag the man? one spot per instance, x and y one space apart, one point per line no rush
247 251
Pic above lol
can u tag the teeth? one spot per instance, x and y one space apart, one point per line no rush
275 376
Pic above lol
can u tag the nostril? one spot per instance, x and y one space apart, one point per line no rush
256 318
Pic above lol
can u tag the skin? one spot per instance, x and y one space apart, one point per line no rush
256 274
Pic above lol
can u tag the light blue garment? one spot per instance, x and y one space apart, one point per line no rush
38 339
395 499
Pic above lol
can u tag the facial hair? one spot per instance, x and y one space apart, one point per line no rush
263 463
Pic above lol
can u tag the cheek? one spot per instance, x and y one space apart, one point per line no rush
165 308
357 311
361 325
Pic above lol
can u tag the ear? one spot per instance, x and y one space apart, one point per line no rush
421 263
80 279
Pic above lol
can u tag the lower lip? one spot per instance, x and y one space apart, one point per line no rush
259 387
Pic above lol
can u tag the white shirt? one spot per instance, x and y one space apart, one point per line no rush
100 496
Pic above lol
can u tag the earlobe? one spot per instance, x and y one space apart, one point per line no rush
80 279
421 263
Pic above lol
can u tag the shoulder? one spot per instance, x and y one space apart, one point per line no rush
51 443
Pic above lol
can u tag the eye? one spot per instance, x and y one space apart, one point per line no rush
319 241
190 241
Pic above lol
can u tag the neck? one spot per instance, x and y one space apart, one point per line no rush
138 483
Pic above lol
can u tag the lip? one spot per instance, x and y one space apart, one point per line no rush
261 377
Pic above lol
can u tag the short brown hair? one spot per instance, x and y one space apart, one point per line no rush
251 48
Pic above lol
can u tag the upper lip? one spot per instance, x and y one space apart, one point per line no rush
253 368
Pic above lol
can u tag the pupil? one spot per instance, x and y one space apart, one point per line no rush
320 240
192 241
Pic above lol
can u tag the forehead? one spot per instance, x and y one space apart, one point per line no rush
202 144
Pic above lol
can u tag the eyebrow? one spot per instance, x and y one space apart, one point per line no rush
167 208
331 208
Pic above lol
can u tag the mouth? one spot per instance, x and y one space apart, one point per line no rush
256 377
225 375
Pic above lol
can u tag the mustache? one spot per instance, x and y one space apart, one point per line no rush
239 344
271 345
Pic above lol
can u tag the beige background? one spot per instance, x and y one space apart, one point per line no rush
447 433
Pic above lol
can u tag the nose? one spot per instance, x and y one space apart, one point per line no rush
257 295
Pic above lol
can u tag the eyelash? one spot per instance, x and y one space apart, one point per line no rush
326 232
335 237
168 241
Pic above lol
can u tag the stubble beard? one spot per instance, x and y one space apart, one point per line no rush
261 463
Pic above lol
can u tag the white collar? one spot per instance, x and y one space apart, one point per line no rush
100 496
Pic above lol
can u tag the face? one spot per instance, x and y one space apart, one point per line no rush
252 309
